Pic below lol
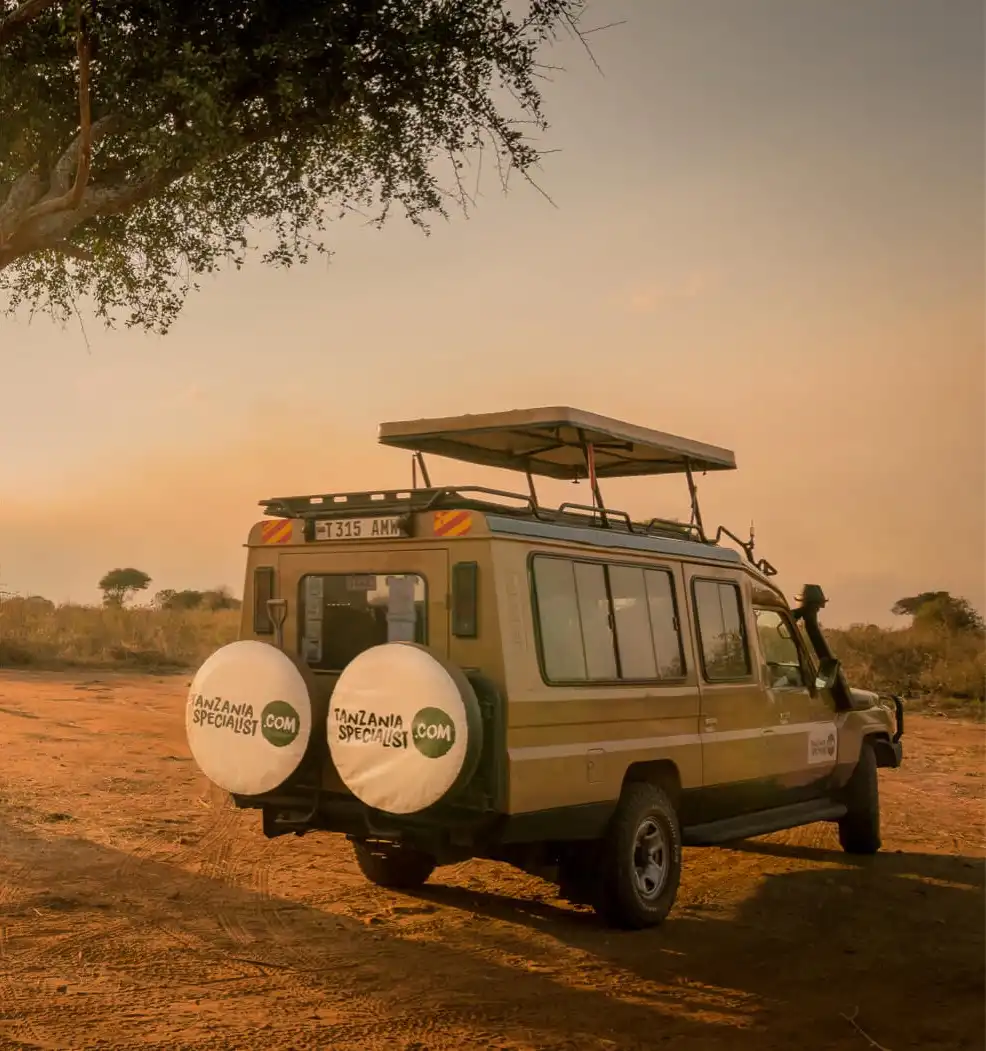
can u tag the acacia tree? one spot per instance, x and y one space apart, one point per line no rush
941 609
119 584
144 143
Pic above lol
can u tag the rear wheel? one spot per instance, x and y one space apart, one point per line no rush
859 830
640 859
392 865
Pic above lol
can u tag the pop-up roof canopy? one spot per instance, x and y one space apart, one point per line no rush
553 442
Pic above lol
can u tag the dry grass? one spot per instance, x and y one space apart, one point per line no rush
39 634
933 668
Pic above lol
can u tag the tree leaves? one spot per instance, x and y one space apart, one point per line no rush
246 123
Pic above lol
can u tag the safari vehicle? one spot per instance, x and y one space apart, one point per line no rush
447 672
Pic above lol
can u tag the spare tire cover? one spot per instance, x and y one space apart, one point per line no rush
248 718
404 728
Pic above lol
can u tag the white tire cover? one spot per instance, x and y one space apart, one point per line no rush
404 728
248 718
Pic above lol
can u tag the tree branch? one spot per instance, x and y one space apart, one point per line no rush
25 191
81 148
50 229
74 252
20 16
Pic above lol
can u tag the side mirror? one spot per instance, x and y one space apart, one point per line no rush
828 673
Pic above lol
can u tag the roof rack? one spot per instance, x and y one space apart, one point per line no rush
474 498
561 443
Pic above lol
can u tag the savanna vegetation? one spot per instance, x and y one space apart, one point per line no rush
937 659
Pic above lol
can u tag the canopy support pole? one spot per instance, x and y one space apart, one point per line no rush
532 490
693 493
589 453
419 462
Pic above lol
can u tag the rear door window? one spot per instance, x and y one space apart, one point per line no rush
343 614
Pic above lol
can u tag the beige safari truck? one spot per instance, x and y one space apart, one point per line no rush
448 672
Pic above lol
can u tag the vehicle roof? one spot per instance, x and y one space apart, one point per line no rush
550 442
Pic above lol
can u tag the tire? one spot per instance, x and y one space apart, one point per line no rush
392 866
635 891
859 830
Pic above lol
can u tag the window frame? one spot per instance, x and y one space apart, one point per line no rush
368 573
808 670
736 585
606 563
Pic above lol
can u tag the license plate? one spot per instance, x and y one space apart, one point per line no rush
379 528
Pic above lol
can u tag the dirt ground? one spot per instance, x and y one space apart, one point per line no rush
138 910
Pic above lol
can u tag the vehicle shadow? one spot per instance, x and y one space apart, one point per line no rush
951 867
899 937
99 940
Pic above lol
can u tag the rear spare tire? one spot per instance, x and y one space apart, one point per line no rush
248 718
404 728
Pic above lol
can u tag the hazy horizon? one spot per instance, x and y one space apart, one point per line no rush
768 234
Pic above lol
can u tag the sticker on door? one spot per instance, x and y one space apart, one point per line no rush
821 745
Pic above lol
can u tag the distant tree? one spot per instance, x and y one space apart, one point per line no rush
39 604
29 603
219 598
120 584
940 609
187 598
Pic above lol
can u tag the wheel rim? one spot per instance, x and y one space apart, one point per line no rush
651 859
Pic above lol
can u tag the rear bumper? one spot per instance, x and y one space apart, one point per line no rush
286 814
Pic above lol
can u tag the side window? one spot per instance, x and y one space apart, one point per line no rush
632 621
597 634
664 624
720 628
558 618
606 622
779 650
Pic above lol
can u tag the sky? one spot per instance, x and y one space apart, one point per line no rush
766 231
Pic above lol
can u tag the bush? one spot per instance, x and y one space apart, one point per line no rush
920 661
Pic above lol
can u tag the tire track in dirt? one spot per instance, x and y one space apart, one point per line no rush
16 996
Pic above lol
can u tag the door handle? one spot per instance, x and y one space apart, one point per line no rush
767 731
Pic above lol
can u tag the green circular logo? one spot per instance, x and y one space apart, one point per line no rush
433 732
279 723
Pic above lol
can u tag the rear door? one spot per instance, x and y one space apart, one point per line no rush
734 708
802 738
345 597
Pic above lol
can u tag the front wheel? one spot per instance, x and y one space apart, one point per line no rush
392 865
859 830
640 859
